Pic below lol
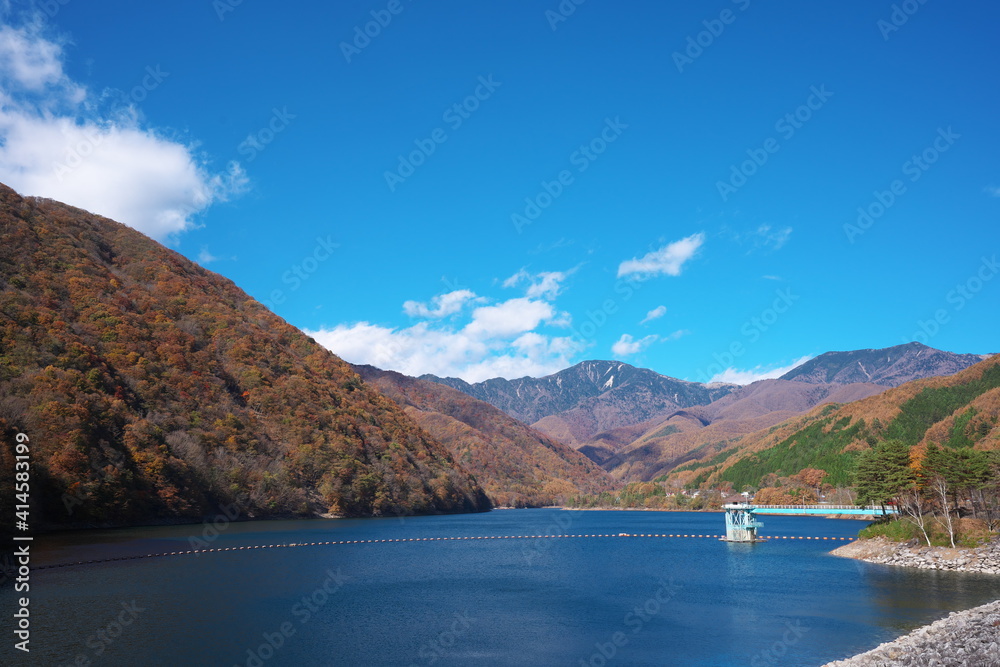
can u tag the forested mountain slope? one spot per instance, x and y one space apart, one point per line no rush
955 411
515 464
691 434
154 390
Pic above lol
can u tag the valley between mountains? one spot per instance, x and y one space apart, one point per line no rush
155 391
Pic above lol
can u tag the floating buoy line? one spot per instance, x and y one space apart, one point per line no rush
412 539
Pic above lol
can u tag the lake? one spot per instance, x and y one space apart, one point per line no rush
580 601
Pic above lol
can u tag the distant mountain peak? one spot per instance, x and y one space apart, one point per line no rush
889 366
589 397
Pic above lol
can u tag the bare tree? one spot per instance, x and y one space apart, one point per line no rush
914 506
989 501
941 491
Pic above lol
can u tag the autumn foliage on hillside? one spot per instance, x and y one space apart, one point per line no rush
516 465
957 411
153 389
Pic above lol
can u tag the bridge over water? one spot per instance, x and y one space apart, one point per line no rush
742 525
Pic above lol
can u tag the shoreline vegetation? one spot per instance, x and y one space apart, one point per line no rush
949 518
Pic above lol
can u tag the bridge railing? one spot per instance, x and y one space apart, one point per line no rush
873 508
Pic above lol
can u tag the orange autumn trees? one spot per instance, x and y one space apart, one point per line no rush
155 390
516 465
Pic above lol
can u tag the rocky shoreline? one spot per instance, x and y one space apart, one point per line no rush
962 639
985 560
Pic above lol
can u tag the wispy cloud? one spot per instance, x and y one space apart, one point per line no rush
627 345
60 140
441 305
563 242
654 314
546 285
205 257
764 237
773 239
992 190
747 376
675 335
668 260
34 64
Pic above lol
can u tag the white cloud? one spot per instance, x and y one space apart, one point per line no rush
774 239
545 285
512 317
33 63
471 353
442 305
626 345
654 314
992 190
739 376
668 260
55 143
465 335
504 339
205 257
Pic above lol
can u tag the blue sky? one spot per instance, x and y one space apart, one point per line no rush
505 189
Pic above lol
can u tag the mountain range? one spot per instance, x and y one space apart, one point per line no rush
687 434
593 396
153 390
888 367
638 424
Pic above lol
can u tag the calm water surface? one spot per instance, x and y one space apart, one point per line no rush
626 601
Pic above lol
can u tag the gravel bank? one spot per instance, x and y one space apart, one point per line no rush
968 638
